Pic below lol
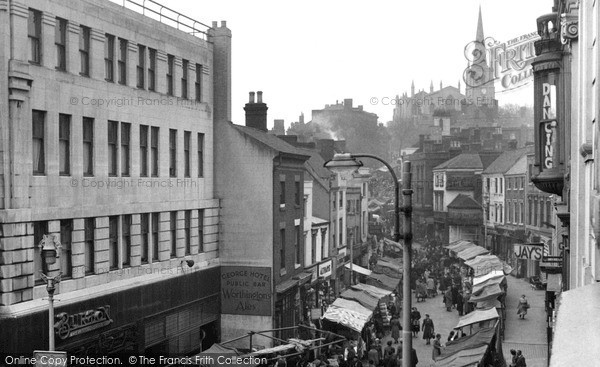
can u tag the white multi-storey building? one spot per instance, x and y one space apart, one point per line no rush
106 145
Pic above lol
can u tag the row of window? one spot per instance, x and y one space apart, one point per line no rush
146 63
515 183
119 249
119 146
540 213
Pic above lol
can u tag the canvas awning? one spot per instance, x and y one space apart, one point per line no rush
392 243
576 329
483 278
484 264
476 316
492 303
359 269
466 351
383 281
487 293
458 246
362 297
477 289
372 290
472 252
346 317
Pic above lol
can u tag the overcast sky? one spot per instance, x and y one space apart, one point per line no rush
305 54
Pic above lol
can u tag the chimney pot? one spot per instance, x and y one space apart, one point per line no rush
215 24
251 100
223 23
259 97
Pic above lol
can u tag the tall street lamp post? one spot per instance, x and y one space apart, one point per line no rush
348 162
50 249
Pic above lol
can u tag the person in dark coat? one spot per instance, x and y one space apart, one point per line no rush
520 360
437 347
448 299
415 319
428 329
396 327
413 357
373 355
459 303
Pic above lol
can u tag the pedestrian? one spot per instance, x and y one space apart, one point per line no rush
450 336
431 287
437 347
413 357
428 329
392 308
513 359
520 360
455 294
448 299
459 304
373 355
396 327
388 354
522 307
415 319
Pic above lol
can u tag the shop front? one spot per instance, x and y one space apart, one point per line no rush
175 316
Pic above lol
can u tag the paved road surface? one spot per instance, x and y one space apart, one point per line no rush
443 321
529 334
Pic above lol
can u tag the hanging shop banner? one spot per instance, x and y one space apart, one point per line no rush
246 290
530 251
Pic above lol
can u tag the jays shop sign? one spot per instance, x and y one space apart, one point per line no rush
530 251
246 290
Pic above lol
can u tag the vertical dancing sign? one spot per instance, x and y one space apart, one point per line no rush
548 129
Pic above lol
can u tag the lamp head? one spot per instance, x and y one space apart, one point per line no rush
343 163
50 248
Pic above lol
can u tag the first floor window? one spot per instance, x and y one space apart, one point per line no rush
113 242
90 227
126 239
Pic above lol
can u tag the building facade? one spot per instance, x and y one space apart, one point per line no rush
94 158
262 256
566 109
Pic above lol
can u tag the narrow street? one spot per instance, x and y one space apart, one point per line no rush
529 334
443 321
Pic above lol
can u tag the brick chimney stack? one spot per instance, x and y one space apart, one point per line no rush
256 112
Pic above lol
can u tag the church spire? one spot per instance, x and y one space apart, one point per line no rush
479 35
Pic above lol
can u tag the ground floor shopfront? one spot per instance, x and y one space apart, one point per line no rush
175 316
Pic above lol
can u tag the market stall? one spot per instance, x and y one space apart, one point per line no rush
477 349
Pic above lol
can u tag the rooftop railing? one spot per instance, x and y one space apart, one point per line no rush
167 16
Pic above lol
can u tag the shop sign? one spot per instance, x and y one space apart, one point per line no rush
458 181
82 322
325 269
530 251
548 130
246 290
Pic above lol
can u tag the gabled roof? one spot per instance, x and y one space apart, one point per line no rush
506 160
462 161
463 201
271 141
315 166
519 168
